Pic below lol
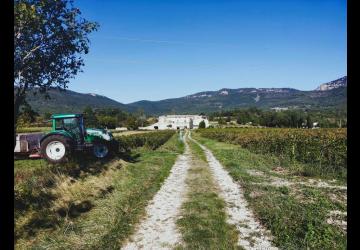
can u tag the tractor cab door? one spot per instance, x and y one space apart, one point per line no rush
82 126
74 127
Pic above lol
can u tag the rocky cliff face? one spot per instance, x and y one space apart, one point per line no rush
341 82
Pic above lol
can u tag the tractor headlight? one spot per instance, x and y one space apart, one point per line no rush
107 137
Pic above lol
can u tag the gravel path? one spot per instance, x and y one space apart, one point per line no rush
158 230
251 234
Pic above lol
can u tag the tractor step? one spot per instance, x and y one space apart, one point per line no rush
85 146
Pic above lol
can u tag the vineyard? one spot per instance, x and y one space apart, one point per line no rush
148 140
324 149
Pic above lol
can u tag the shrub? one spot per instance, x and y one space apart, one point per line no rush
202 124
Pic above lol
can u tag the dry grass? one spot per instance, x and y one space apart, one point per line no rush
47 195
73 194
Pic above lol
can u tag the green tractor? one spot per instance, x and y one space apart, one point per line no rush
69 135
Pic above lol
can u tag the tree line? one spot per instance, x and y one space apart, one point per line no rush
97 118
287 118
113 117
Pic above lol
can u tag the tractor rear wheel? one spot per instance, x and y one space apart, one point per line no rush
56 149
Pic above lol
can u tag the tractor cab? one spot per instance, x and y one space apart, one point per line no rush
73 124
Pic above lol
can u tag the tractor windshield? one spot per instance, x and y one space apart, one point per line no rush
67 124
71 123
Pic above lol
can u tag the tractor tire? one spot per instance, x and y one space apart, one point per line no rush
101 149
56 149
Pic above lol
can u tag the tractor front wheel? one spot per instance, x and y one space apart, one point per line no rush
56 149
101 150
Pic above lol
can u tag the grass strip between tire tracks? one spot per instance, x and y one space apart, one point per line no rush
203 220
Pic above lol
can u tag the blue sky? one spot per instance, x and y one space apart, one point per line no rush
152 50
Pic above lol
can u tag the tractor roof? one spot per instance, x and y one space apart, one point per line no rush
59 116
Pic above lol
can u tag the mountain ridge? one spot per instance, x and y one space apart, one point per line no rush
327 95
69 101
227 98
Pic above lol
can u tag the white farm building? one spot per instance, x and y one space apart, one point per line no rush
178 122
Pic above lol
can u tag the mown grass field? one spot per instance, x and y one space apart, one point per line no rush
86 204
299 213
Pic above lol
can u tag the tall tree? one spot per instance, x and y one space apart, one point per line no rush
141 117
202 124
50 37
309 122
